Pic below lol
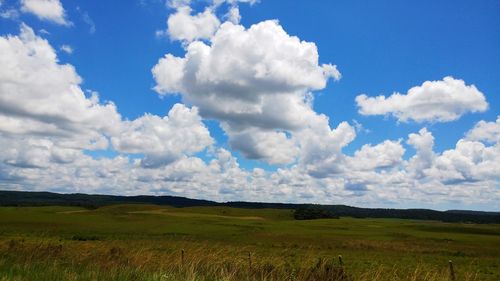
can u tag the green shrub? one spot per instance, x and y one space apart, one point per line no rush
311 212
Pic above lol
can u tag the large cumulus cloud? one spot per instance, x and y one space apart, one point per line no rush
258 91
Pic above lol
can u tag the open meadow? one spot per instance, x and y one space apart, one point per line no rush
149 242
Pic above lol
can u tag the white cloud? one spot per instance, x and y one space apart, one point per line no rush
233 15
359 127
161 34
262 87
383 155
178 3
423 142
222 178
233 2
43 108
40 96
321 147
261 94
264 61
32 152
51 10
168 74
270 146
469 161
186 27
433 101
67 49
164 140
485 131
9 14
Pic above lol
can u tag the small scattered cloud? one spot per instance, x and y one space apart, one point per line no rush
161 34
67 49
174 4
11 14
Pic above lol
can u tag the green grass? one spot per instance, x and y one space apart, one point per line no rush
144 242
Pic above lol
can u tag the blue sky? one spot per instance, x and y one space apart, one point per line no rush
378 47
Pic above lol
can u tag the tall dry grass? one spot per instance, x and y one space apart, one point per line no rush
146 260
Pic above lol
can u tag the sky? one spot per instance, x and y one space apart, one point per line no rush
387 103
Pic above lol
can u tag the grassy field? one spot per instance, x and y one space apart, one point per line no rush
147 242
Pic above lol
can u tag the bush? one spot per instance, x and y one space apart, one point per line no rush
80 237
312 212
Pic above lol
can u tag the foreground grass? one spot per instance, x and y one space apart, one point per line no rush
141 242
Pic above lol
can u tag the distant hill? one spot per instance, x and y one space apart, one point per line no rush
418 214
24 198
473 212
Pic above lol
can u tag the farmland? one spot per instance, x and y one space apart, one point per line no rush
151 242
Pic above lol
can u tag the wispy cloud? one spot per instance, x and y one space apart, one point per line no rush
87 20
